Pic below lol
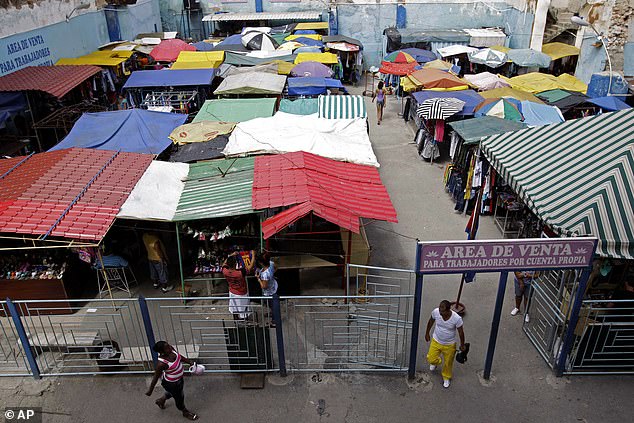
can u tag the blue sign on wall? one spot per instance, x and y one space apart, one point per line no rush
26 51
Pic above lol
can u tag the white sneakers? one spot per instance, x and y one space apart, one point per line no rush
515 311
446 383
432 367
526 318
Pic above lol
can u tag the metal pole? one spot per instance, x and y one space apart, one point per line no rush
180 262
37 136
495 325
418 293
147 323
24 339
607 54
279 334
572 323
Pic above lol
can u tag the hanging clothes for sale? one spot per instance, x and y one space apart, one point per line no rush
439 130
455 139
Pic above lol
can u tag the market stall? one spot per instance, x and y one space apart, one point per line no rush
313 86
252 83
235 109
58 207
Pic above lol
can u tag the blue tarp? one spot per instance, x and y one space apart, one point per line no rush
311 86
170 78
470 97
131 131
305 31
309 42
611 103
540 114
599 82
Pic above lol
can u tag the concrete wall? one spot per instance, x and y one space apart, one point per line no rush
48 38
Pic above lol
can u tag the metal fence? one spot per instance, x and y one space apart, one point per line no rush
604 342
368 331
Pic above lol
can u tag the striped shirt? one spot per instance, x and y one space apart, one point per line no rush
174 370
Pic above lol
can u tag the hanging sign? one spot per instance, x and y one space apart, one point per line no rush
505 255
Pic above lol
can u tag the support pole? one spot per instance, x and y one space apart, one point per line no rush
180 262
418 294
24 339
495 325
572 323
147 323
279 334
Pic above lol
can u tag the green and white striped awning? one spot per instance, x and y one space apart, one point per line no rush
342 107
577 176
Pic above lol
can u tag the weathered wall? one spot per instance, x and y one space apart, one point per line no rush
622 14
43 39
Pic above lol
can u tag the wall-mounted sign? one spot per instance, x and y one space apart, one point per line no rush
505 255
30 50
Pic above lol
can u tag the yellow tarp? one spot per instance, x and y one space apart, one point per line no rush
509 92
458 88
97 58
199 59
559 50
200 131
407 84
535 82
311 36
283 68
311 25
438 64
325 58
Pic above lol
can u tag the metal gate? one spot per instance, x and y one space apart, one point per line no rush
369 330
551 301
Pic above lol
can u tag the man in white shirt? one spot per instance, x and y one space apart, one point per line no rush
443 342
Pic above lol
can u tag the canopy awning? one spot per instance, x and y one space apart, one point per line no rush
72 193
576 176
470 97
199 60
236 110
340 193
342 107
312 85
564 100
244 60
299 106
217 188
341 39
311 25
559 50
435 78
170 78
98 58
455 49
536 82
309 15
510 92
132 131
325 58
473 130
486 81
339 139
252 83
54 80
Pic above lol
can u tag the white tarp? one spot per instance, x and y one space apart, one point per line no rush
156 195
455 49
345 140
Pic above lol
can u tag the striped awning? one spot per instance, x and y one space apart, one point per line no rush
577 176
342 107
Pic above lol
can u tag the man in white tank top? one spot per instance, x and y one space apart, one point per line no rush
443 342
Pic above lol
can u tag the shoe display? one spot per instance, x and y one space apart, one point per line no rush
515 311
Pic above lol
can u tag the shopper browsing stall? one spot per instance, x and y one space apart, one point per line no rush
238 291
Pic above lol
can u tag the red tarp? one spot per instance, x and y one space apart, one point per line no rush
169 50
400 69
37 192
335 191
55 80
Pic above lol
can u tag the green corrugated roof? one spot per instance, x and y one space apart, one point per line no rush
236 110
208 194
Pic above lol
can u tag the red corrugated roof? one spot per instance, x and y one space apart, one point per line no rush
336 191
55 80
38 191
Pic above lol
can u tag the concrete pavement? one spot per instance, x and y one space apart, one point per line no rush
523 390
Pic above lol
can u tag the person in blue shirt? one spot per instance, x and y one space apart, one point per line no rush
266 277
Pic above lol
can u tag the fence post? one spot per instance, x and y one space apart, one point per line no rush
24 339
147 323
572 323
279 334
418 294
495 325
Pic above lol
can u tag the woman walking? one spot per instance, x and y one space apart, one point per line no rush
170 370
379 95
267 281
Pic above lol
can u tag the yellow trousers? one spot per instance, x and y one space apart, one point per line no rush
448 352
